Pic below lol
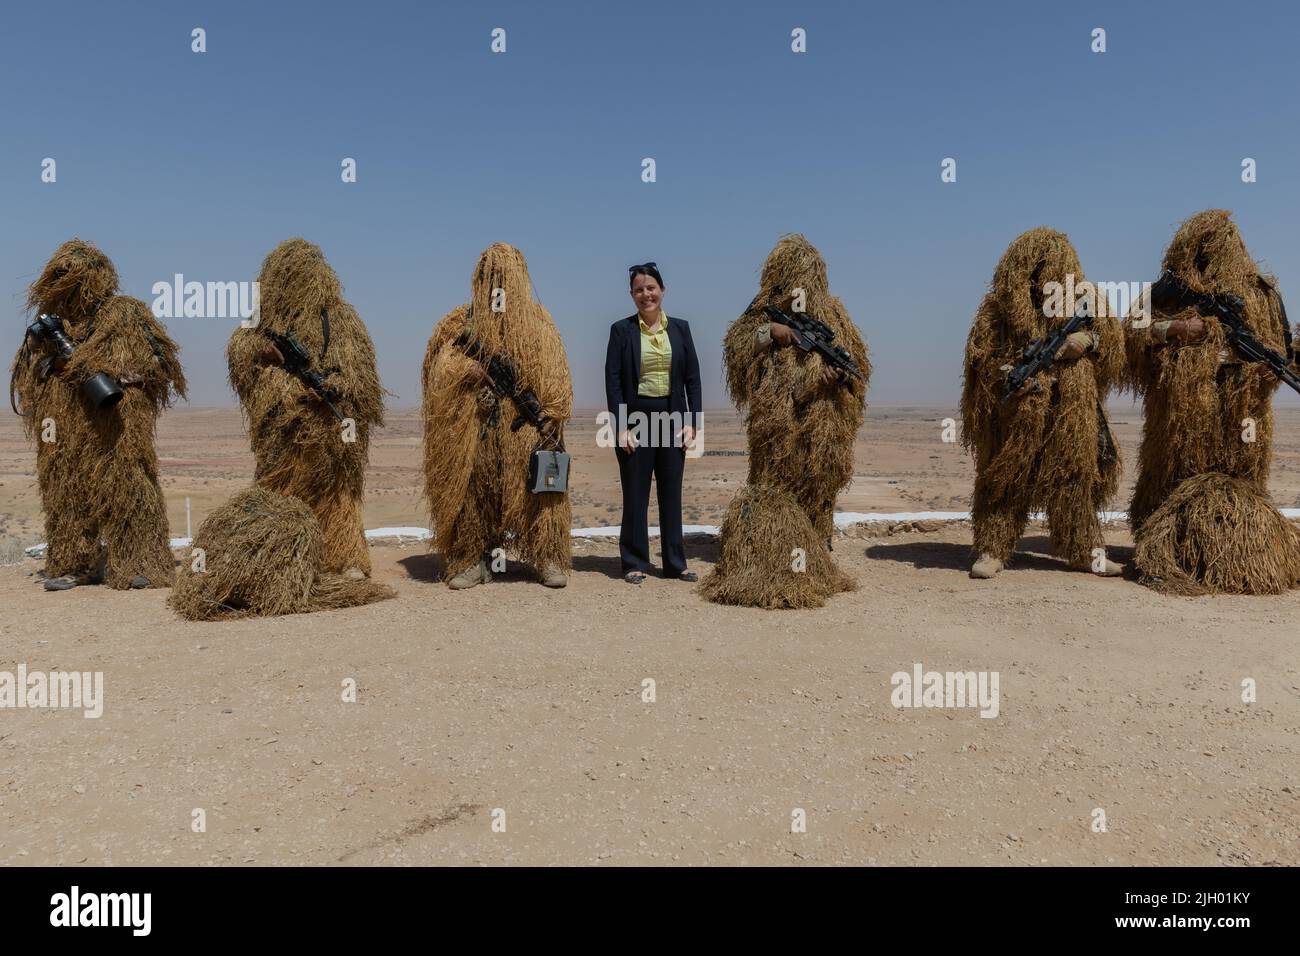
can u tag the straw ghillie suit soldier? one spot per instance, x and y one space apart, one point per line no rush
263 555
300 446
1197 393
1201 516
95 462
802 417
1049 447
477 447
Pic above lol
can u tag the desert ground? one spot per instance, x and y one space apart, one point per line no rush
513 704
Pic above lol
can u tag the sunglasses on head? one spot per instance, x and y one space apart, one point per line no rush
644 265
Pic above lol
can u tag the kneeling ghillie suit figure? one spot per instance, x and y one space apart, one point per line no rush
307 382
1041 444
798 367
92 375
496 390
1201 515
261 556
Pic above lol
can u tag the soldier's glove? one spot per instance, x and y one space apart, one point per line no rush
1075 346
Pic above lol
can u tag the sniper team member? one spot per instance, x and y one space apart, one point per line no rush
1048 446
481 432
309 387
93 373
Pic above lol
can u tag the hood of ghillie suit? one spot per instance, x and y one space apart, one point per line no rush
1207 255
1033 259
515 331
295 284
76 280
501 266
794 263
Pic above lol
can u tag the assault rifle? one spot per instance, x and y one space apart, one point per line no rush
1168 294
505 382
297 362
813 335
1040 354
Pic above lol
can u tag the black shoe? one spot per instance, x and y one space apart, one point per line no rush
67 582
690 577
139 582
634 577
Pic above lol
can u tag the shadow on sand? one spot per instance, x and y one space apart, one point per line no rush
1032 554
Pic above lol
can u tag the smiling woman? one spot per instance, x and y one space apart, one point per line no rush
651 369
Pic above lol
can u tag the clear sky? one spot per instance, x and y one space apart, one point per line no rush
174 161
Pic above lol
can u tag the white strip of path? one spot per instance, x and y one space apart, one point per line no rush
843 519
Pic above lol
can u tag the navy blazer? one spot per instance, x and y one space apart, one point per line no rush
623 368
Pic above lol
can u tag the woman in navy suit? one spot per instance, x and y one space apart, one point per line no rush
651 368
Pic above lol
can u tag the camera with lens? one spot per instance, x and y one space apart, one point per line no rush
99 388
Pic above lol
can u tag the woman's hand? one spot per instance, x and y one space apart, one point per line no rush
687 436
626 442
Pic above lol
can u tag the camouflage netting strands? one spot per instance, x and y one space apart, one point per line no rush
1198 396
98 477
1050 449
263 554
475 464
298 443
763 535
1218 535
801 432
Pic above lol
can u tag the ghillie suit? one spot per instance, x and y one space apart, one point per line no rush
1218 535
96 467
801 432
475 458
300 447
1202 405
262 556
758 563
1050 448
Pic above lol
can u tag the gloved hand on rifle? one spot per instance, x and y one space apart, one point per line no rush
783 336
1183 331
481 374
270 355
1075 346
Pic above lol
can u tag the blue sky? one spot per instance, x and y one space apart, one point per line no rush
174 161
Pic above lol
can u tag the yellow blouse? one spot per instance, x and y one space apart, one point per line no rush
656 359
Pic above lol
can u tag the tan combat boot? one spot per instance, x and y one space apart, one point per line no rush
474 574
985 567
553 577
1107 569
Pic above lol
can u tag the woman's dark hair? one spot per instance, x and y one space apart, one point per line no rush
650 269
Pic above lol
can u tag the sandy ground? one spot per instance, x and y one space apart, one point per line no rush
511 702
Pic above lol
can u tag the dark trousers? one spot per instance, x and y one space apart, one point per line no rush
634 473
